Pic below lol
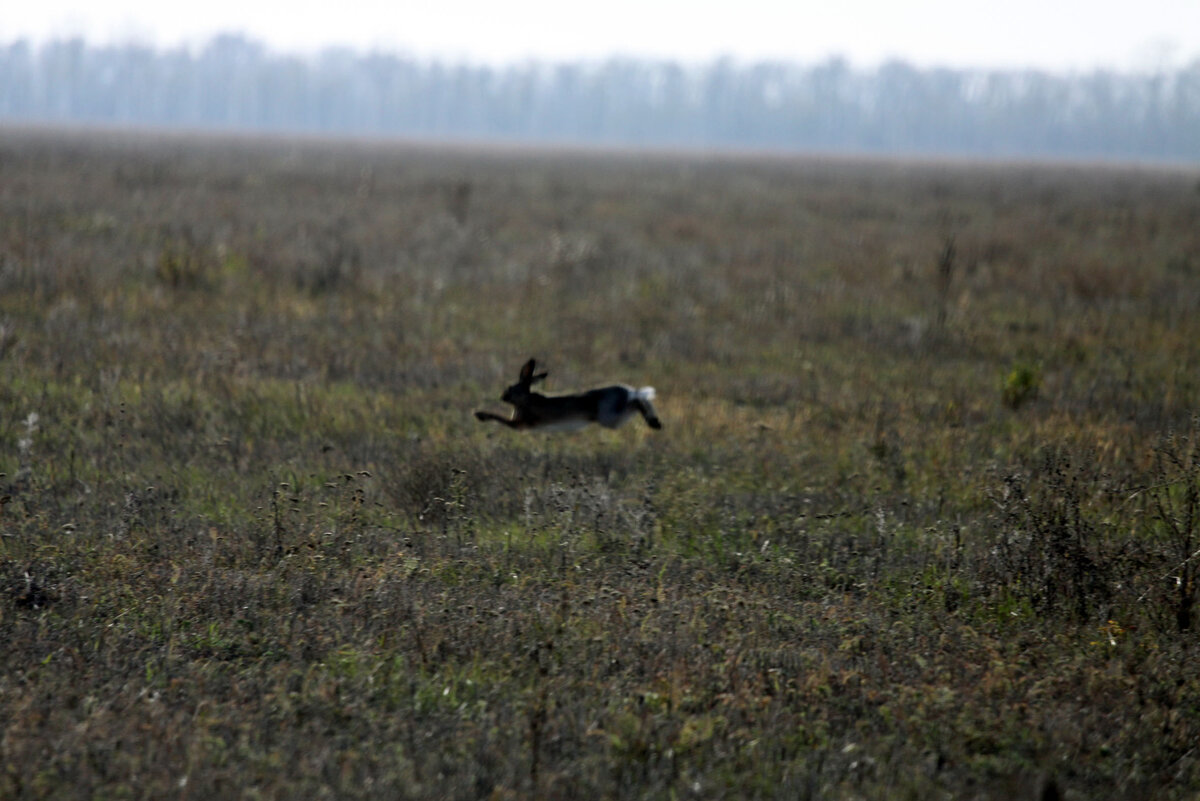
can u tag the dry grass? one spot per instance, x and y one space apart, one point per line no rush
921 523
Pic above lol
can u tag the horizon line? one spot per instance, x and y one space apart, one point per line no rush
198 44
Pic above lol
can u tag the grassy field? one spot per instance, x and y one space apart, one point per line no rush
923 521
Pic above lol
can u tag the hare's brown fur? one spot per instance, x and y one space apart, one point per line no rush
607 406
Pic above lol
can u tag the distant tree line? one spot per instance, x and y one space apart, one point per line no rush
235 82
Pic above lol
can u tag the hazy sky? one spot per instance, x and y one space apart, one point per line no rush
1051 34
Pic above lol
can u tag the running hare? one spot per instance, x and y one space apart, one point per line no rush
608 406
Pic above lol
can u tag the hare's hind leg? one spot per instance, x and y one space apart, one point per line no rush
642 403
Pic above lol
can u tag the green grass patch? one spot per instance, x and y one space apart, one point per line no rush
917 525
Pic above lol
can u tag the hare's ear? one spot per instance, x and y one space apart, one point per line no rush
539 376
527 372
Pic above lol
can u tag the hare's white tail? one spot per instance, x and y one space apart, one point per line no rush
642 400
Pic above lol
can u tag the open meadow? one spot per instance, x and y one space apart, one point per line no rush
923 520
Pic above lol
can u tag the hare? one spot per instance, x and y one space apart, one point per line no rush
608 406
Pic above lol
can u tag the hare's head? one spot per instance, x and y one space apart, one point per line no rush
520 389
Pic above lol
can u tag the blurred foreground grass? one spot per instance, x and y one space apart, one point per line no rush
923 522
